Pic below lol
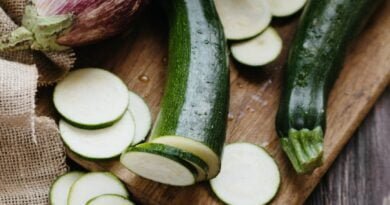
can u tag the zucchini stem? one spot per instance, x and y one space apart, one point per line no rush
304 148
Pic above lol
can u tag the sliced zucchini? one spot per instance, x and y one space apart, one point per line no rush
91 98
95 184
103 143
109 199
281 8
142 117
259 50
59 190
243 19
248 175
196 148
160 165
200 165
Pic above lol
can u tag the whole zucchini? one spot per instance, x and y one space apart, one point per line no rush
194 108
193 114
315 59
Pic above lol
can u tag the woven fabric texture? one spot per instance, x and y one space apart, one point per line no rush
31 152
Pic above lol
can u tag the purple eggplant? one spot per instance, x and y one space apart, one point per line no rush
55 25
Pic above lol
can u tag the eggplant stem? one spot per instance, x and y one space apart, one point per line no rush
304 148
37 32
46 29
19 39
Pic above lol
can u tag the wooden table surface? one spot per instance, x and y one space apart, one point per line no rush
361 173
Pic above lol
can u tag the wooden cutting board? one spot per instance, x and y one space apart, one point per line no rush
140 59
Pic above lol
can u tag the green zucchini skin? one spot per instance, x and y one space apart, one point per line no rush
196 97
315 60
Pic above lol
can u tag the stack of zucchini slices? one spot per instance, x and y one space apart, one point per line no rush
95 188
100 117
246 24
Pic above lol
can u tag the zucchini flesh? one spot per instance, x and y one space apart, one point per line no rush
195 102
142 117
59 190
259 50
315 59
109 199
102 143
91 98
160 164
243 19
282 8
95 184
249 175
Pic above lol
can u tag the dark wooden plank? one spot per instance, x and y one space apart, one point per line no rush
361 174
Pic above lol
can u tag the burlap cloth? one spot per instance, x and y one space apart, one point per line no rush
51 65
31 152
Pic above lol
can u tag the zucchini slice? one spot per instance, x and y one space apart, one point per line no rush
243 19
249 175
59 190
91 98
282 8
194 107
161 164
109 199
142 117
259 50
95 184
200 165
103 143
196 148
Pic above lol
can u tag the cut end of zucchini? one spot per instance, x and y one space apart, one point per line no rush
109 199
249 175
259 50
304 148
159 166
196 148
243 19
282 8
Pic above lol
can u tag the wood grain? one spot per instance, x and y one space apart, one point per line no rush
360 175
253 105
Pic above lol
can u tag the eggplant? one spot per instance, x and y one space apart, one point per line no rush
56 25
